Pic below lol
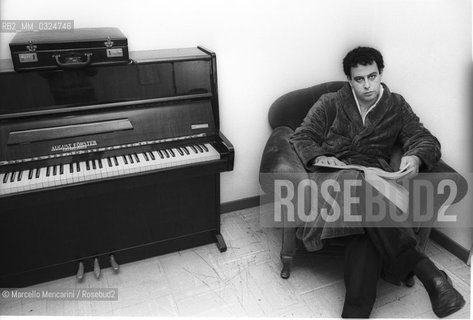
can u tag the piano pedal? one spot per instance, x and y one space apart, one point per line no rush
96 268
114 264
80 272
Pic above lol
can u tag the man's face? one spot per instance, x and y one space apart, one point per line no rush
366 82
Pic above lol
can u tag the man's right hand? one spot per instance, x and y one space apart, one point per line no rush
328 160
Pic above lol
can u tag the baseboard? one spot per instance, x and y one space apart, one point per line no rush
450 245
240 204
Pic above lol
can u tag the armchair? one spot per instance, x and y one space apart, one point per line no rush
280 159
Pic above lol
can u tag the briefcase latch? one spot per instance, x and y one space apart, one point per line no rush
30 56
31 46
108 43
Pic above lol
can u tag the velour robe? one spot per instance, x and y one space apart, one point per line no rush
334 127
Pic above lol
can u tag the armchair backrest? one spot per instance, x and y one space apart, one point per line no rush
290 109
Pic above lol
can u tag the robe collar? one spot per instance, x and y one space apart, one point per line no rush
370 108
350 107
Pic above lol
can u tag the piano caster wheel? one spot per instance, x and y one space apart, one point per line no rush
80 272
114 264
96 268
221 245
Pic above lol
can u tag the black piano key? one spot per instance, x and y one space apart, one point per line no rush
78 166
199 148
30 174
61 169
100 163
137 159
172 153
93 165
5 177
146 156
160 154
12 178
131 158
115 160
20 174
38 172
124 159
180 151
194 148
205 148
166 153
109 162
71 167
87 165
151 155
186 150
54 170
48 171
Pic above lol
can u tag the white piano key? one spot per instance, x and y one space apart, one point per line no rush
106 168
67 175
94 170
75 174
23 183
122 168
13 185
56 177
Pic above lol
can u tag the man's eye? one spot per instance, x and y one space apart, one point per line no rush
372 77
359 80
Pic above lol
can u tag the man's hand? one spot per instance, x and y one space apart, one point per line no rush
410 162
328 160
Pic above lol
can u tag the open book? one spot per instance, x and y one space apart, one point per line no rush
383 181
401 173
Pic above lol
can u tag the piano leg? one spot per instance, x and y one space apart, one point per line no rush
96 268
221 245
80 272
114 264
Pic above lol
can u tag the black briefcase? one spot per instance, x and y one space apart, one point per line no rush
78 48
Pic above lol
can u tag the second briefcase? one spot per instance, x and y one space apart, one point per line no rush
77 48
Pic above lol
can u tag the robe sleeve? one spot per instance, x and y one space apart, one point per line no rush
308 138
416 140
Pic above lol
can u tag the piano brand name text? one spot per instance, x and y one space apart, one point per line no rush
74 146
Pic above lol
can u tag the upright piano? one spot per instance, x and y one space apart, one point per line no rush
108 163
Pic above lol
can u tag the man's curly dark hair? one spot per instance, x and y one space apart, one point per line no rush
363 56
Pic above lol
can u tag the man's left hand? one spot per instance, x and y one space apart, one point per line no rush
410 162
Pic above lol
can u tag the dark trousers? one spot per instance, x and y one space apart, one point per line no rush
380 251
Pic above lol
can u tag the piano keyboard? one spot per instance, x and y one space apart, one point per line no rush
70 173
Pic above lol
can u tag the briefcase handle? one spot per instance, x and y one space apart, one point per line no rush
73 61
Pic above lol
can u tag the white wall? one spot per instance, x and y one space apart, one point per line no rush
268 47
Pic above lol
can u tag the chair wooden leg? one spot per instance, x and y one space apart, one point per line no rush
286 266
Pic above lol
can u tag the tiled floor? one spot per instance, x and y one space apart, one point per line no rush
244 281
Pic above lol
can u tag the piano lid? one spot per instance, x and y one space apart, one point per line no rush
171 73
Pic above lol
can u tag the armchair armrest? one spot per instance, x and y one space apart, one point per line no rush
442 170
280 161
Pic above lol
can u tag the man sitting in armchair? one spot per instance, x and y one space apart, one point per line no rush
360 124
